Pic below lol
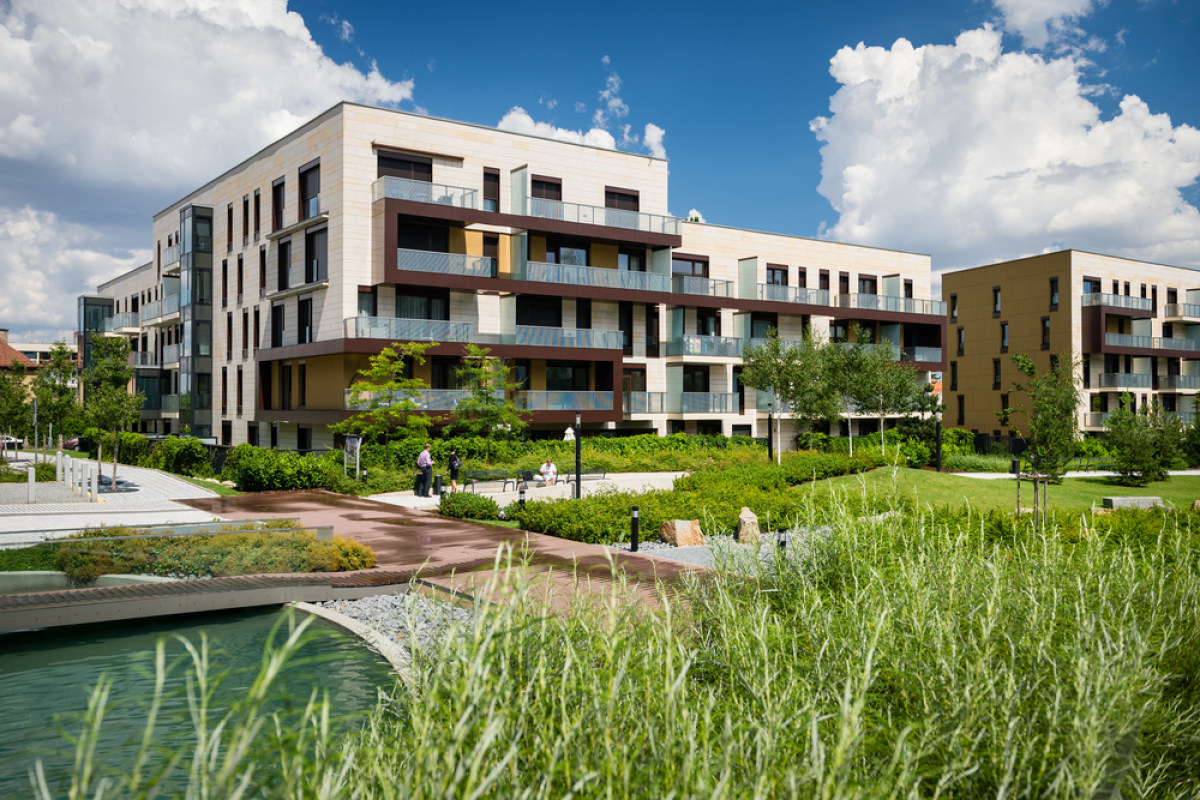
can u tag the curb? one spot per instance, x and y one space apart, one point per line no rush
385 647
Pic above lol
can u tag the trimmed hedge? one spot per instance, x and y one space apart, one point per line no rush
258 470
468 505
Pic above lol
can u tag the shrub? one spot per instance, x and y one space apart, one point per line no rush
263 470
339 555
234 459
181 455
468 505
43 473
957 441
976 463
1091 446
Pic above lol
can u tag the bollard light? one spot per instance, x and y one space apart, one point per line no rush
521 497
633 531
781 539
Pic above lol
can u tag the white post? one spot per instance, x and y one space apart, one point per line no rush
32 483
96 485
58 468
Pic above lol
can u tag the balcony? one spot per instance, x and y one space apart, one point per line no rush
921 355
445 263
1095 420
126 323
709 346
596 277
425 400
608 217
1125 380
893 305
170 355
759 342
564 401
1117 301
408 330
170 405
567 337
793 294
645 403
1185 417
689 284
161 312
1181 312
1176 383
143 358
1149 342
390 188
707 403
171 259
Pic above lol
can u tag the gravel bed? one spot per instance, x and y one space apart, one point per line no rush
405 618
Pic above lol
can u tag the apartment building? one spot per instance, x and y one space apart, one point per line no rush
1134 325
273 284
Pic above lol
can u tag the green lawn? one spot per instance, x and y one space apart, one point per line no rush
1075 494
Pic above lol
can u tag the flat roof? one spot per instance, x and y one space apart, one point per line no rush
807 238
954 271
111 281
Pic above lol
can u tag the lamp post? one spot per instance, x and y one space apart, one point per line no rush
578 455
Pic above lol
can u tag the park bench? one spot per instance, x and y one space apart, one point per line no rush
589 474
475 479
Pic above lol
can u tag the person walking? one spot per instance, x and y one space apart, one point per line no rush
455 464
425 464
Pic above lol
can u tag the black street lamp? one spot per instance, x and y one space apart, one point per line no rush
578 455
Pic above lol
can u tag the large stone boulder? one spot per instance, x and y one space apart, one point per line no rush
747 531
681 532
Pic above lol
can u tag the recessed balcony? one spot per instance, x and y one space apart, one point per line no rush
708 287
645 403
706 346
1177 383
124 324
170 355
445 263
793 294
921 355
608 217
596 277
171 259
707 403
1125 380
1150 342
143 358
893 305
439 194
564 401
1182 312
425 400
408 330
566 337
1117 301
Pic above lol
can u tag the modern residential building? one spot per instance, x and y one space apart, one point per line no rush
1134 325
273 284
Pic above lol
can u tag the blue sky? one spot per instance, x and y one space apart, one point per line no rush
975 131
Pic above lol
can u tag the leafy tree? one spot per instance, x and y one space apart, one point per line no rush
771 367
14 399
107 401
390 396
874 382
1147 442
797 376
1051 416
485 409
58 402
921 424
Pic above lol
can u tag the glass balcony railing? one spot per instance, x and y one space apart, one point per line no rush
564 401
793 294
170 256
718 346
594 276
425 400
1175 383
568 337
170 354
143 358
708 403
920 355
445 263
609 217
895 305
170 404
759 342
1149 342
1125 380
170 305
689 284
1185 417
1117 301
408 330
151 311
422 192
125 320
646 403
1095 419
1181 311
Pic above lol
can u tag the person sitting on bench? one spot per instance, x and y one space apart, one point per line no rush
548 473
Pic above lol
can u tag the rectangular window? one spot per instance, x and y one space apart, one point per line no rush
277 196
1143 291
252 433
491 189
543 188
1054 294
427 238
953 376
225 390
310 193
366 302
257 328
962 410
434 304
408 167
1045 333
962 340
284 266
583 313
761 322
277 325
708 322
1168 330
651 330
285 387
491 249
316 253
954 308
631 261
1126 288
240 278
1172 296
844 283
625 323
238 398
228 335
302 375
996 373
690 267
304 316
245 219
695 378
824 281
995 300
867 285
262 268
224 282
257 213
1087 372
564 377
802 277
1003 337
304 435
1092 286
229 228
621 199
245 331
1004 401
572 253
908 289
777 276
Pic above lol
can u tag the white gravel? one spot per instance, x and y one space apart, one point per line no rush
405 618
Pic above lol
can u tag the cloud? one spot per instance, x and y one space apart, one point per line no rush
976 155
653 137
612 104
580 107
518 120
345 30
696 216
1038 22
605 61
111 109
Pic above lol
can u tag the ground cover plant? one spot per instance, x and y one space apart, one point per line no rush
43 471
917 655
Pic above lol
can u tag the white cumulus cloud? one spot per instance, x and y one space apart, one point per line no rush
1038 22
976 155
653 137
518 120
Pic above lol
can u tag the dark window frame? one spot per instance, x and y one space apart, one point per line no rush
775 271
278 204
1045 333
954 308
996 302
954 376
545 187
1005 336
1054 297
996 379
622 199
961 340
491 178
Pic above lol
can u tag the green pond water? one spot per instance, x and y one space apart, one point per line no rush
46 678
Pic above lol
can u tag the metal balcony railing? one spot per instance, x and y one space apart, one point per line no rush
645 403
1174 383
143 358
422 192
1149 342
170 404
594 276
569 337
564 401
921 355
170 256
690 284
445 263
609 217
170 354
1181 311
708 403
718 346
409 330
793 294
1125 380
425 400
895 305
1117 301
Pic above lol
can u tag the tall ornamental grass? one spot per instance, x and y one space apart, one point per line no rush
897 656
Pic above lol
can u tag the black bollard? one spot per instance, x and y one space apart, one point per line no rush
781 539
633 531
521 497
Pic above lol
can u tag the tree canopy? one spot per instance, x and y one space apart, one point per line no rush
107 401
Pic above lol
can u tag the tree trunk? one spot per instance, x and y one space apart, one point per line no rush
778 443
116 449
99 449
882 438
850 433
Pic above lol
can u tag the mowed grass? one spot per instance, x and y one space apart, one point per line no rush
939 489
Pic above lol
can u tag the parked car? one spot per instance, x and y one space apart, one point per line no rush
71 444
11 442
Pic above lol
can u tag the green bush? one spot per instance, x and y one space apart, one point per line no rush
234 458
181 455
43 473
956 441
976 463
468 505
264 470
1091 446
134 446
